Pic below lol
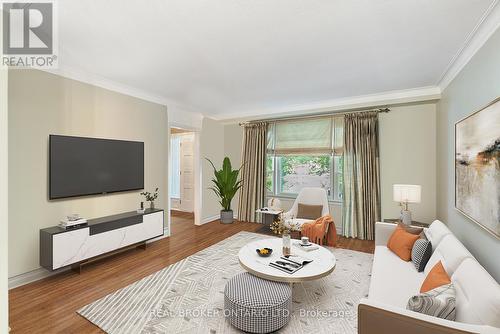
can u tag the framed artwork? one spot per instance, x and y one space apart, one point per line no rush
477 167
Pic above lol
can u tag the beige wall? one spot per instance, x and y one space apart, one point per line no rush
407 155
4 310
475 86
211 147
41 104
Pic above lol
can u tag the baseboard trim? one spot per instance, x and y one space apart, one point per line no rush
33 276
216 217
209 219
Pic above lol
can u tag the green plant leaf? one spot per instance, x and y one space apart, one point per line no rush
225 182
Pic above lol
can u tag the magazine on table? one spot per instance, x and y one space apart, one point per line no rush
297 259
290 263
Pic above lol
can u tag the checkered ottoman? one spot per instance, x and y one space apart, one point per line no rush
256 305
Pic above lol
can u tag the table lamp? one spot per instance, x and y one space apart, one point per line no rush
404 194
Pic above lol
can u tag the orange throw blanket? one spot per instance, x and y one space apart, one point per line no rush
317 231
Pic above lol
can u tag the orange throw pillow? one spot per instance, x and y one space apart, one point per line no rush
435 278
401 243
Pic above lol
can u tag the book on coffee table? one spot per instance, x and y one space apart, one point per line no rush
297 259
285 265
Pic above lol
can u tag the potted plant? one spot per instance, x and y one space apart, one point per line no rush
150 197
226 184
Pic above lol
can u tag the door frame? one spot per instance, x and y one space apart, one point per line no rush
184 137
197 187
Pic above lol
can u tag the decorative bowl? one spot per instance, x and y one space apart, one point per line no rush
264 252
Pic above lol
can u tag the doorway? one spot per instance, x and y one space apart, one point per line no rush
182 181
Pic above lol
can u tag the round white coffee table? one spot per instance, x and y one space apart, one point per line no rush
322 265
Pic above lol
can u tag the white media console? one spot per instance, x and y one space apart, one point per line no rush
61 247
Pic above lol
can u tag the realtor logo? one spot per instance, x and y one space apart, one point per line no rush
28 34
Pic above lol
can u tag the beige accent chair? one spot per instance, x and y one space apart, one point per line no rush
308 196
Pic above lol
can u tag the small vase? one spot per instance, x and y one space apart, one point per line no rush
286 243
152 205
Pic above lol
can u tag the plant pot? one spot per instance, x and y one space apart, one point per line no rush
226 217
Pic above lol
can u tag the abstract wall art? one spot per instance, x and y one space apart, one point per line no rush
477 167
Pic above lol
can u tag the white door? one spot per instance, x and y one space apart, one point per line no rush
187 173
175 168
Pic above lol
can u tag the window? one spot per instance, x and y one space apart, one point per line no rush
305 153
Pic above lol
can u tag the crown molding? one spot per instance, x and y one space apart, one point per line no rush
487 25
414 95
184 115
185 119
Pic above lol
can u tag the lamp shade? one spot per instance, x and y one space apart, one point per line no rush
409 193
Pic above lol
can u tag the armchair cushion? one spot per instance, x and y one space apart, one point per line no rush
306 211
309 196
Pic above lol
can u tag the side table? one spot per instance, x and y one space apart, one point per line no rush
413 223
268 216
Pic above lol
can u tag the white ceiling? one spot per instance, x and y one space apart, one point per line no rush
226 58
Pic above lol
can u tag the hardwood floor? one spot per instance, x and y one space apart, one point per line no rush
49 305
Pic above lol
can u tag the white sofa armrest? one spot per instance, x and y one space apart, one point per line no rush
382 233
376 317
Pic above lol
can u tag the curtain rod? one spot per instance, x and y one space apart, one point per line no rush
379 110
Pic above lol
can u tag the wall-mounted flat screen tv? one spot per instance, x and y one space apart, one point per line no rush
88 166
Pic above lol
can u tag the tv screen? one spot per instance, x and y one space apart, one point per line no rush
87 166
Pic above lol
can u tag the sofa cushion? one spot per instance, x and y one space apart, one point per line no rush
438 302
436 277
450 252
436 232
401 243
478 294
393 280
421 253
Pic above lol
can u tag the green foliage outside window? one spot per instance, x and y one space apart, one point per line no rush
318 165
269 172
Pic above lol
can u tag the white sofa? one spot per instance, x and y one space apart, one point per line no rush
394 281
309 196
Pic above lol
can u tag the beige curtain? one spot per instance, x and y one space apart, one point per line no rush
361 207
253 173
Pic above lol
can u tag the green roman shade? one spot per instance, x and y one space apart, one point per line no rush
319 135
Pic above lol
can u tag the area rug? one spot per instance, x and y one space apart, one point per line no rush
188 296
